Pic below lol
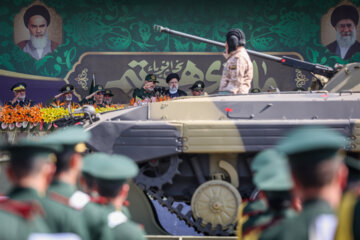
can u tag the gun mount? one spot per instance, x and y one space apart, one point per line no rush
288 61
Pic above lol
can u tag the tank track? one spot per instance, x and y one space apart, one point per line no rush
207 230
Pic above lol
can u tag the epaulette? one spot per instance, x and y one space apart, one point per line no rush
77 201
116 218
25 210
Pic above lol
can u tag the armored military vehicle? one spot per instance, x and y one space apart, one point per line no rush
197 150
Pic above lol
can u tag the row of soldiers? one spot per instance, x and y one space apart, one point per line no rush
308 189
101 97
45 201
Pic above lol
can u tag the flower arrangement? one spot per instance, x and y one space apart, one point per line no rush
38 117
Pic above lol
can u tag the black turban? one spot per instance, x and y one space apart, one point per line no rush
36 10
171 76
344 12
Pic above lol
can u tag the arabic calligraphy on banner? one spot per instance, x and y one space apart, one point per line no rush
125 71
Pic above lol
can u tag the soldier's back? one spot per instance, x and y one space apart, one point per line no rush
118 226
64 209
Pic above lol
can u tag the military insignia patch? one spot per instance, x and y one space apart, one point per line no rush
153 77
233 67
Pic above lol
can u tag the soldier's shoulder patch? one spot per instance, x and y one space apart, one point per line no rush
116 218
79 200
232 67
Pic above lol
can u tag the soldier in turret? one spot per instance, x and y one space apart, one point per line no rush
238 69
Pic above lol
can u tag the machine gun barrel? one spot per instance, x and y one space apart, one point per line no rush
292 62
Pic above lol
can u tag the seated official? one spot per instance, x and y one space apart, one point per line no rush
66 97
96 98
19 90
173 81
197 89
148 89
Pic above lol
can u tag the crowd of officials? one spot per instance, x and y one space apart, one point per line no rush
101 97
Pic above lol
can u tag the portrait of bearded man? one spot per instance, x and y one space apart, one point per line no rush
37 20
345 19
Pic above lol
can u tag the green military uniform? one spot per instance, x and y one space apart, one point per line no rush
67 88
114 169
276 183
68 209
310 145
21 213
141 93
92 101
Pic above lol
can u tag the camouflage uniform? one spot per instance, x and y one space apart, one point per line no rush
142 93
238 73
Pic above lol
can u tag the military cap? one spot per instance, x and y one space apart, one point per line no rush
198 85
36 10
27 148
71 138
108 92
171 76
312 143
274 175
109 167
67 88
98 88
151 78
18 86
255 90
266 158
344 12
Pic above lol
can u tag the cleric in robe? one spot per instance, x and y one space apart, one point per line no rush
345 19
37 20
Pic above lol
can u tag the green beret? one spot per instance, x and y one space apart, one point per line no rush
109 167
266 158
313 140
70 137
274 177
151 78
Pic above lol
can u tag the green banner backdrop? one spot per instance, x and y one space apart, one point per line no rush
111 25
